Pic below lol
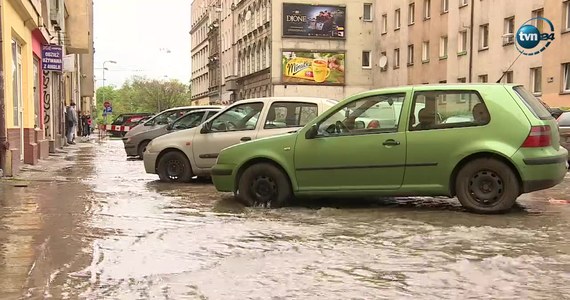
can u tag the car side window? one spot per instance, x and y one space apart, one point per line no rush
188 121
237 118
372 114
448 109
290 114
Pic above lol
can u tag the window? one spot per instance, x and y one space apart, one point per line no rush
427 9
396 58
566 24
410 55
484 36
443 47
17 82
411 13
508 78
462 42
397 19
484 78
290 114
367 13
463 3
533 104
444 6
446 109
509 31
189 120
425 52
384 23
240 117
462 80
366 59
383 54
539 13
536 80
566 78
373 114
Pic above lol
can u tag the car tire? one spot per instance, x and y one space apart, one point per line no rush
264 184
142 148
174 167
487 185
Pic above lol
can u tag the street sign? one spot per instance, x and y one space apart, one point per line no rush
107 104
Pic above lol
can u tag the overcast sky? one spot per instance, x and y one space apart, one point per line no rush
138 34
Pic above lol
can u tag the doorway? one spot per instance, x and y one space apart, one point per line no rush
18 104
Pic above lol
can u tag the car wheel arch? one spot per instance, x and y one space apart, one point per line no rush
168 150
473 156
261 159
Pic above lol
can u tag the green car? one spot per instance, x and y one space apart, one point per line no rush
485 144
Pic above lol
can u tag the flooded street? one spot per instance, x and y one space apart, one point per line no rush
100 228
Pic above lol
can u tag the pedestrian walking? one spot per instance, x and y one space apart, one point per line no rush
72 122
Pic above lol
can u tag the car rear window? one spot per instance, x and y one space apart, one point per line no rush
534 105
564 119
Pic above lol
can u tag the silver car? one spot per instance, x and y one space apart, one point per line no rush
135 141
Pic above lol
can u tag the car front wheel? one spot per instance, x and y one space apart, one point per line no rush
174 167
142 148
487 185
263 184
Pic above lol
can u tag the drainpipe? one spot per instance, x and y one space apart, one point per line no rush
471 41
3 134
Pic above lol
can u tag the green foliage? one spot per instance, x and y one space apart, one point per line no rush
140 94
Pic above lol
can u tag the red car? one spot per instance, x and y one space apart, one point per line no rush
124 122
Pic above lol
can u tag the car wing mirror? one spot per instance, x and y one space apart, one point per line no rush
312 132
206 128
169 127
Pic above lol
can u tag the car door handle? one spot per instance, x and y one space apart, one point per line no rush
391 142
245 139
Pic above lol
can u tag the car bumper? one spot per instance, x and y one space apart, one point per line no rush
150 162
130 148
223 178
542 172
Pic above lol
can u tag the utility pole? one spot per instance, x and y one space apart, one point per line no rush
220 51
103 90
3 134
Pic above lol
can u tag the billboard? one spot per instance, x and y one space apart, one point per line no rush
52 58
310 67
306 20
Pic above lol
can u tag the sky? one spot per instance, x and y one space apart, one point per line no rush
145 37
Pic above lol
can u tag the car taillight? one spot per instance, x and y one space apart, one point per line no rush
539 136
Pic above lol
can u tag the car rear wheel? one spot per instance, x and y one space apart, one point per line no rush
265 185
142 148
487 185
174 167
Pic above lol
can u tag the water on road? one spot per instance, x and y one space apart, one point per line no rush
101 228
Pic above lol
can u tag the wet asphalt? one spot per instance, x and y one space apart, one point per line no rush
98 227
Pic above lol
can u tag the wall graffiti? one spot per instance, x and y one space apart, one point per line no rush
47 104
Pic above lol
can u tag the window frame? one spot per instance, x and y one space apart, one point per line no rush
533 82
370 12
425 52
566 16
462 42
427 10
404 94
444 6
397 20
443 47
508 40
411 13
565 86
295 104
367 53
384 23
448 125
396 58
410 57
486 76
484 36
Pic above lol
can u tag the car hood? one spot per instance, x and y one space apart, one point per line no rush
141 128
174 136
274 141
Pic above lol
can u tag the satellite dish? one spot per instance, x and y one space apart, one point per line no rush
248 15
383 61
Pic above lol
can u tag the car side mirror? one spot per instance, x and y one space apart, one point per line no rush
169 127
312 132
206 128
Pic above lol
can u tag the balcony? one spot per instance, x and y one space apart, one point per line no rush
77 25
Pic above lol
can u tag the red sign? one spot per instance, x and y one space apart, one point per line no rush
107 104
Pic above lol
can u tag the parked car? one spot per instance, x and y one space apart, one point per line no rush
181 155
564 128
162 119
135 144
509 147
124 122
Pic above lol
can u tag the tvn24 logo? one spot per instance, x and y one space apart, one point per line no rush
529 37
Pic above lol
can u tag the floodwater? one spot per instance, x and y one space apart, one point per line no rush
100 228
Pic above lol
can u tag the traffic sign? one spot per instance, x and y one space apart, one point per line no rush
107 104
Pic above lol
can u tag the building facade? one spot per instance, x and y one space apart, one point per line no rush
200 82
438 41
34 97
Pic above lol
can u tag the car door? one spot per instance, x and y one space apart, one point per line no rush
360 146
287 116
236 124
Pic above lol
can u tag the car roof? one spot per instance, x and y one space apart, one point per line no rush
440 86
203 110
194 107
287 98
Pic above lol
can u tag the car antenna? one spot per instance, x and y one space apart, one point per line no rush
509 68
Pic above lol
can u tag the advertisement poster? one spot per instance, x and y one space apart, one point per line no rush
305 20
305 67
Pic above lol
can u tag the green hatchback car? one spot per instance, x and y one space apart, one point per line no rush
485 144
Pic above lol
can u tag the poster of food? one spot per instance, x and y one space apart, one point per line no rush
306 67
306 20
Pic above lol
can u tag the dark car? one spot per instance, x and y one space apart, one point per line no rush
564 125
124 122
